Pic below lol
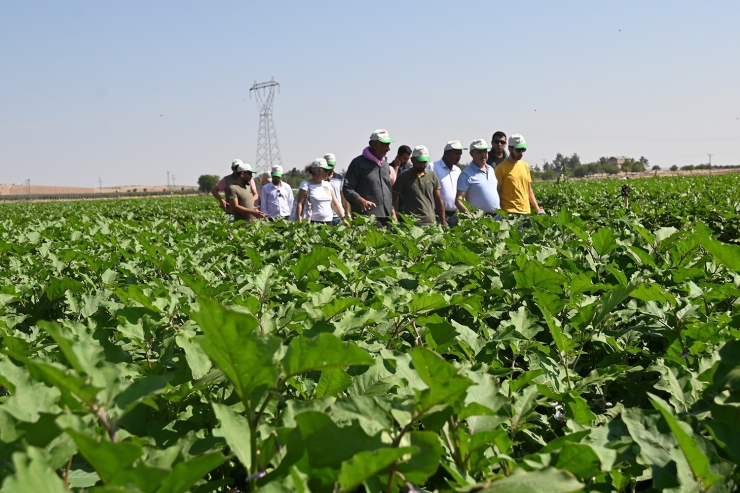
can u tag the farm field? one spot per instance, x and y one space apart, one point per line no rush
149 346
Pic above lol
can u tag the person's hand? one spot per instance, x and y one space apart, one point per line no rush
222 205
259 214
540 211
367 205
346 223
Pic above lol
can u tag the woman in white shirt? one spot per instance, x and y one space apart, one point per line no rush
317 196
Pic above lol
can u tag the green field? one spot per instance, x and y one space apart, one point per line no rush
149 346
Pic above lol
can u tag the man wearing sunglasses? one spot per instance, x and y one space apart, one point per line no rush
277 196
498 149
515 181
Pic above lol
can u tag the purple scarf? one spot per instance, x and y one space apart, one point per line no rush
369 155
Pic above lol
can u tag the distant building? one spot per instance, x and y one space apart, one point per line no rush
618 160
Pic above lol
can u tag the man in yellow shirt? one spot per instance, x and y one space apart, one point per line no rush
515 181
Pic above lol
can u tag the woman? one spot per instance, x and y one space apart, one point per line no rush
316 196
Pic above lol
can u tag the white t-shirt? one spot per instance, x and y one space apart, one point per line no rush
448 179
319 197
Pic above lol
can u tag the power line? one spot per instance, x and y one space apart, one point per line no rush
268 152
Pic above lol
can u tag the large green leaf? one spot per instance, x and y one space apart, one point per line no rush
185 474
332 381
231 340
235 429
311 261
367 464
604 241
547 480
320 353
32 474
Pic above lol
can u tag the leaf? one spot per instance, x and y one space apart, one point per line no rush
322 352
186 474
332 382
195 356
235 429
367 464
604 241
424 463
576 408
522 406
32 474
546 480
109 459
616 296
431 367
134 293
426 302
311 261
28 397
141 389
698 462
537 276
245 357
457 254
728 255
578 458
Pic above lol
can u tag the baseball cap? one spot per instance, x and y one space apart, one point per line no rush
244 167
421 153
382 136
235 163
480 144
320 163
455 145
330 159
517 142
277 170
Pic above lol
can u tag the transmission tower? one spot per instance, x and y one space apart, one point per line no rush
268 152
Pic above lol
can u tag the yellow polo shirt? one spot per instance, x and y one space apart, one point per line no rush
514 180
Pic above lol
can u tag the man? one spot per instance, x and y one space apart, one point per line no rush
477 183
277 196
239 198
401 162
448 173
515 181
367 184
228 180
420 189
497 154
337 182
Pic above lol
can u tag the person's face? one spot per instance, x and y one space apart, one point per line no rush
452 156
516 154
379 149
498 144
329 174
403 159
419 166
276 180
480 156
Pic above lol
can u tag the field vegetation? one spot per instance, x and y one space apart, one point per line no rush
149 346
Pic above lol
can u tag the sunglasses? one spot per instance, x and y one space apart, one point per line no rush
520 150
279 193
499 142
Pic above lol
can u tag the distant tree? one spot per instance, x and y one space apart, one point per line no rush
547 166
603 160
207 182
644 161
580 171
656 168
627 165
688 167
610 169
637 167
559 163
674 168
574 161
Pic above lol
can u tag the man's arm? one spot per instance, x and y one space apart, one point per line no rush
533 200
350 189
440 207
396 196
219 199
253 187
238 208
458 201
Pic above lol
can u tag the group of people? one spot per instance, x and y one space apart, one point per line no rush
413 184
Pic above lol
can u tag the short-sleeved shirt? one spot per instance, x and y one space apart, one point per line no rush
243 197
480 186
514 179
448 179
417 190
337 182
319 198
277 201
228 180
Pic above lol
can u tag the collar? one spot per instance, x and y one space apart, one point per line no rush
369 155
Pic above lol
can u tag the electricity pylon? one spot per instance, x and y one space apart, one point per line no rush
268 152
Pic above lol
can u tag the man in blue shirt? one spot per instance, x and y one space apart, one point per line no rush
477 183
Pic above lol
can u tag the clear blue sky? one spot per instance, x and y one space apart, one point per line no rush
83 84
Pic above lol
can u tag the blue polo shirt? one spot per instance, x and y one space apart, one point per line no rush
481 187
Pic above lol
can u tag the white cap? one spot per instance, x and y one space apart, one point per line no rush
517 141
382 136
421 153
244 167
235 163
277 170
480 144
330 159
320 163
455 145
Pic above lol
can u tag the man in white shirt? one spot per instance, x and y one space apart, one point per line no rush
277 196
448 172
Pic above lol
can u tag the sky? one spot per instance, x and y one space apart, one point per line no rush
124 92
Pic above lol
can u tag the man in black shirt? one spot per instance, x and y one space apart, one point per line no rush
498 149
